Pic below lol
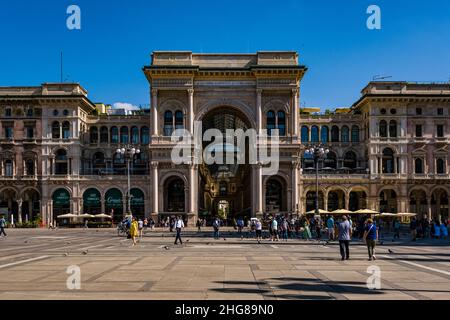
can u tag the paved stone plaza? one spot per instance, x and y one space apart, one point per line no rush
33 265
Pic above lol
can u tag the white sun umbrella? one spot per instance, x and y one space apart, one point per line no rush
386 214
66 216
342 211
85 216
102 215
406 214
321 211
367 211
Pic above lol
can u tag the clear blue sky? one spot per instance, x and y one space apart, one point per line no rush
117 37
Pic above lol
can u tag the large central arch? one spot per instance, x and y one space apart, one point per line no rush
225 183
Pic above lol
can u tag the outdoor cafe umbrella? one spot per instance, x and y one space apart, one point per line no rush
406 214
86 216
101 216
367 211
321 211
386 214
66 216
342 211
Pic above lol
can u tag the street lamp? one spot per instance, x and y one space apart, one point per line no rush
317 152
128 152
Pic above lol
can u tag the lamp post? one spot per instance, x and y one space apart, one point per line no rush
317 152
128 152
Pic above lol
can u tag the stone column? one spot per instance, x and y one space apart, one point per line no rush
155 111
258 190
155 191
259 119
191 110
430 214
19 210
347 200
193 195
295 195
295 111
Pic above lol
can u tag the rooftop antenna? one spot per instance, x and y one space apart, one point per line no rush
379 77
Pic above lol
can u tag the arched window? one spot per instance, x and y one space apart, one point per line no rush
388 161
124 135
119 164
383 129
140 163
114 135
66 130
305 134
145 135
99 163
350 160
179 120
61 165
282 123
418 166
56 134
168 123
355 134
274 195
29 165
334 134
345 134
271 122
134 135
9 169
330 161
175 196
393 129
93 133
314 134
440 166
104 138
324 134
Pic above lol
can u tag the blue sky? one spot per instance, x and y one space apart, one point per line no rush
117 37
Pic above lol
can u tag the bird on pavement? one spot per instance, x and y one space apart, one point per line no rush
390 251
85 252
65 254
167 248
224 239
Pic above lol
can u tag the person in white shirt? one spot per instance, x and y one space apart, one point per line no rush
179 224
140 227
258 228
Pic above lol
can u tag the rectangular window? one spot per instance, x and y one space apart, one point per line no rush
8 112
440 131
9 133
418 130
418 111
440 111
29 132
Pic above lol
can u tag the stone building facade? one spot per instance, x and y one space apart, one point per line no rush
58 150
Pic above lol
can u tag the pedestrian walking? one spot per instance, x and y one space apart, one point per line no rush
134 232
240 225
216 227
274 227
444 230
396 229
179 224
284 229
370 237
2 226
330 228
318 229
140 227
345 234
306 230
258 230
437 230
413 228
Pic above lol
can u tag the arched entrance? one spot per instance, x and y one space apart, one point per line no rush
357 200
336 200
311 200
8 204
227 179
114 204
137 203
30 205
275 196
174 201
92 201
61 202
388 201
439 205
418 202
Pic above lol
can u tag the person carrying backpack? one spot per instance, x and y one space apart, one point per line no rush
216 226
2 226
